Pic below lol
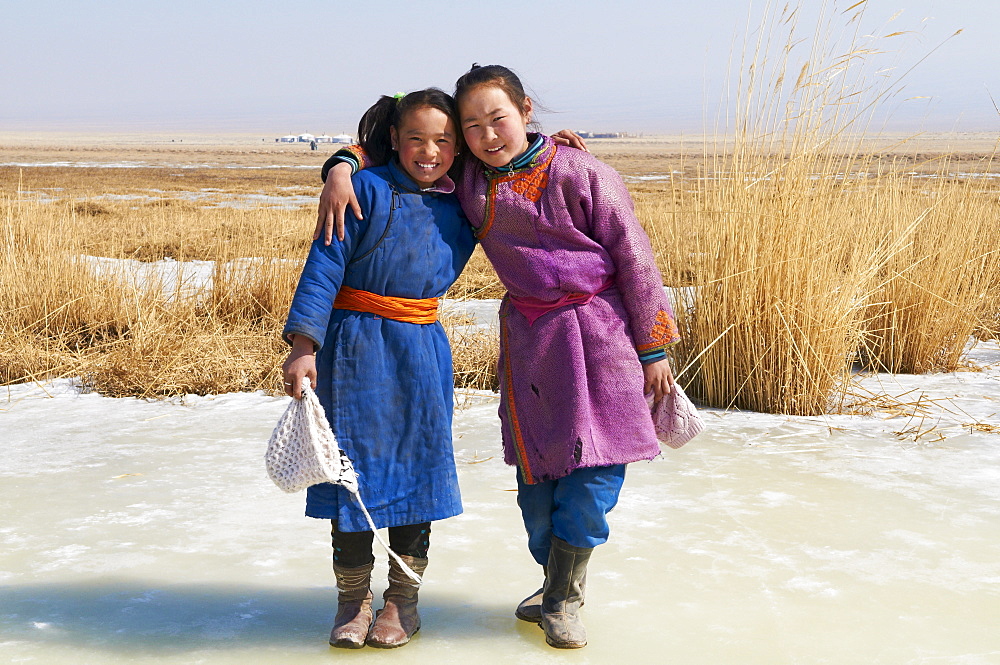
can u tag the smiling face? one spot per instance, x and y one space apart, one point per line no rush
495 129
425 141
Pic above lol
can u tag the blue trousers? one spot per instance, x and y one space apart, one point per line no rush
573 508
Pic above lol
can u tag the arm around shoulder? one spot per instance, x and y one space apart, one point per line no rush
337 195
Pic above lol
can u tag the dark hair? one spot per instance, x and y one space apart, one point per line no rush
497 76
387 112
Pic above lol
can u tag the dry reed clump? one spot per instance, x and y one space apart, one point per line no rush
937 284
194 355
805 250
478 280
47 291
90 209
474 353
795 278
24 359
770 323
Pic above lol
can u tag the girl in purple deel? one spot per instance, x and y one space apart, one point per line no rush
584 329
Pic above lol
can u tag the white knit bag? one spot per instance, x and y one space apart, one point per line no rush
303 451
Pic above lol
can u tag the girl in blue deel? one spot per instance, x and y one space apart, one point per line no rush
363 326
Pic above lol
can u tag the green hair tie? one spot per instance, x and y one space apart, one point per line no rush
399 96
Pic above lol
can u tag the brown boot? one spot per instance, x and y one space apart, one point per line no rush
354 606
396 623
530 609
563 595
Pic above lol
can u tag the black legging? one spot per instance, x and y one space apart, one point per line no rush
352 549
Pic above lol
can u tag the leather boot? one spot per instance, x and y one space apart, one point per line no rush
562 595
354 606
396 623
530 609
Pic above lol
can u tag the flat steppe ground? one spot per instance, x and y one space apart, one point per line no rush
653 155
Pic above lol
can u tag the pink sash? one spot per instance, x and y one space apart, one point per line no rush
532 308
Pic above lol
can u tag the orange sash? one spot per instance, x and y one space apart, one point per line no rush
409 310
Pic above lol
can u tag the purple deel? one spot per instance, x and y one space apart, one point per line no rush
571 382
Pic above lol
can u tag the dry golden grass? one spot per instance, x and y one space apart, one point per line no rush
939 281
474 354
788 281
769 323
478 280
128 336
135 336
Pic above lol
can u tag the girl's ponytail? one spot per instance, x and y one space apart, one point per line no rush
373 130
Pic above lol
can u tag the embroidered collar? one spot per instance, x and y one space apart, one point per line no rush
527 158
444 184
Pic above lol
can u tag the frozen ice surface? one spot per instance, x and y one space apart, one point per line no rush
147 531
173 279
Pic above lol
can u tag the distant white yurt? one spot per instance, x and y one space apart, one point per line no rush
323 138
306 138
343 138
291 138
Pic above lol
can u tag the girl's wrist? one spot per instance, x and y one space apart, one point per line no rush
302 345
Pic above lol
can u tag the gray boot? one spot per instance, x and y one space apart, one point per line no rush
354 606
396 623
530 609
562 595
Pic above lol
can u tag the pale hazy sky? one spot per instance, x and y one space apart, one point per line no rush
310 65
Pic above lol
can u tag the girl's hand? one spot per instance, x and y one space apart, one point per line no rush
301 362
570 138
659 379
338 193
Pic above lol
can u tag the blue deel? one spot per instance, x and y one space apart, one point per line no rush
387 386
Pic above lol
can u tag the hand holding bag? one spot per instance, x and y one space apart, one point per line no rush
675 418
303 451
